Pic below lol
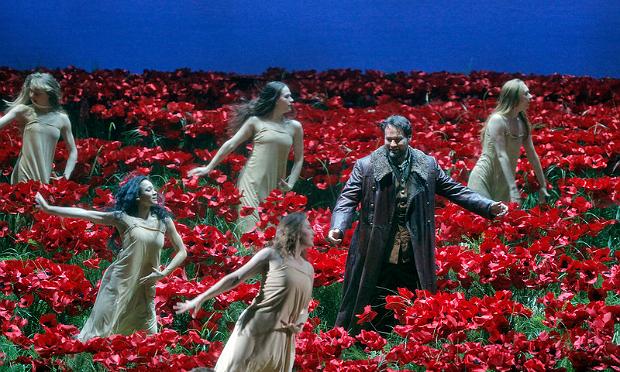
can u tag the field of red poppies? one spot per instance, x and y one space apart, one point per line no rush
536 290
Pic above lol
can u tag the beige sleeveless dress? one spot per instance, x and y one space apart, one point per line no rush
487 177
264 169
123 306
39 139
259 343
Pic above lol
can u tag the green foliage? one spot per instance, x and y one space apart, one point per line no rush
9 249
82 362
12 352
329 303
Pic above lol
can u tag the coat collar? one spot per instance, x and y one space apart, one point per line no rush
381 166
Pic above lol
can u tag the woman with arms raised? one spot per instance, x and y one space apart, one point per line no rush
264 121
264 335
126 299
42 121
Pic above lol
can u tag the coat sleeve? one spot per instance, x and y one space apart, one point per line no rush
461 195
348 200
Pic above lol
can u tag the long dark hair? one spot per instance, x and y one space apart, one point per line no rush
126 202
288 233
127 195
260 106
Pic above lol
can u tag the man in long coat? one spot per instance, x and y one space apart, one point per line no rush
394 243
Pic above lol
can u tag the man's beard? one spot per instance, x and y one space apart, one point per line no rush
397 155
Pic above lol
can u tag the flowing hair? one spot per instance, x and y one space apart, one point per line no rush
40 81
508 99
288 233
126 202
260 106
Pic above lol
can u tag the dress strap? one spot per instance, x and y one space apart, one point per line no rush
265 125
32 122
46 122
507 131
133 222
300 269
130 227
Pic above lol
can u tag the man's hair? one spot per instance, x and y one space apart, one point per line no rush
399 122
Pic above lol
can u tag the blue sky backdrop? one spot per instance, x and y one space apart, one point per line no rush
570 37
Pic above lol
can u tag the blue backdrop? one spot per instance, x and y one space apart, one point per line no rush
247 36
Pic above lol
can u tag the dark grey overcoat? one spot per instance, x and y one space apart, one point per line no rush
371 185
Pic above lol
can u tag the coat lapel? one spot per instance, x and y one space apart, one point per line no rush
419 174
419 170
380 165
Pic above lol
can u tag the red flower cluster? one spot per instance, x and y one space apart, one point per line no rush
559 260
61 286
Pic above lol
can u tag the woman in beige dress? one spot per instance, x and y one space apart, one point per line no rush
126 299
264 335
505 131
264 121
42 121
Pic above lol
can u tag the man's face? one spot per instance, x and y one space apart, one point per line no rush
395 142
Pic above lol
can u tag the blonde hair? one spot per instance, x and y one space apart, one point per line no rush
40 81
288 233
509 98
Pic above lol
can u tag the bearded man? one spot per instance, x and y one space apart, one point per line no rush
394 243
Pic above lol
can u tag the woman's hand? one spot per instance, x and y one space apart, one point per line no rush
285 186
292 327
182 307
54 176
543 195
199 171
41 203
155 276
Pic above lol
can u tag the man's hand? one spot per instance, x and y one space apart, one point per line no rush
334 236
499 209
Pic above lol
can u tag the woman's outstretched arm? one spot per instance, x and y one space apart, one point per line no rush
17 112
102 218
245 133
257 264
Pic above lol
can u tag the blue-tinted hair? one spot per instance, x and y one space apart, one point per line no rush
126 199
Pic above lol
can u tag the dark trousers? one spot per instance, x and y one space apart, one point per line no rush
392 277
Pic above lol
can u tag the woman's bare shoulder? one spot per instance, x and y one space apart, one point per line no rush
294 123
497 118
63 119
496 124
21 111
